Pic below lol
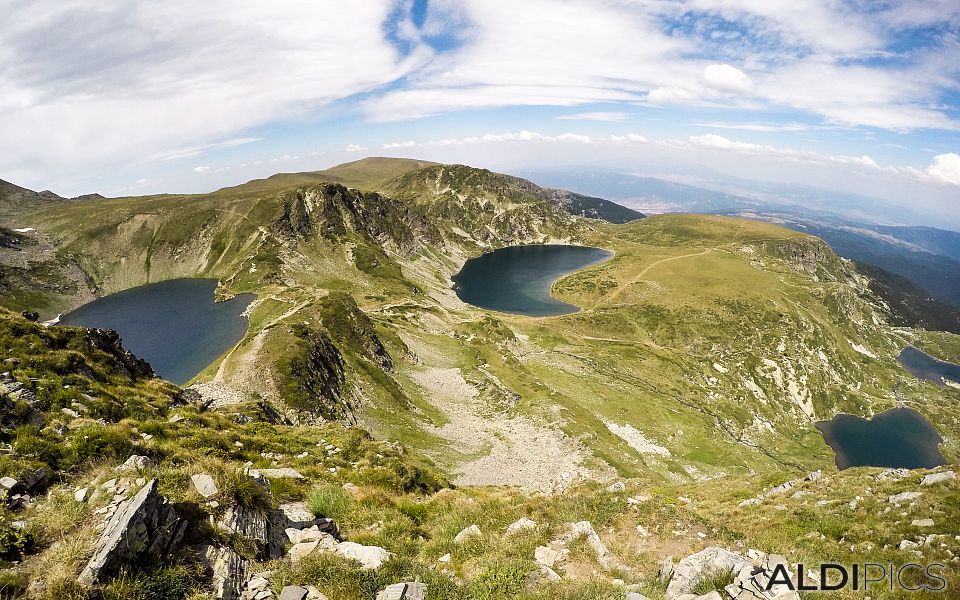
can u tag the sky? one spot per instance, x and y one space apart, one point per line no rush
138 97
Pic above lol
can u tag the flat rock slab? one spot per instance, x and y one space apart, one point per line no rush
293 592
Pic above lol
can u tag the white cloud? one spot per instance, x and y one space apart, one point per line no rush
95 82
355 148
718 142
193 151
728 79
202 169
630 137
611 116
511 137
945 168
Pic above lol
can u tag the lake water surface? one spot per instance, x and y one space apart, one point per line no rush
518 279
174 325
897 438
924 366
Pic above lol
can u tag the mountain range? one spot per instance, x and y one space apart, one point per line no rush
371 429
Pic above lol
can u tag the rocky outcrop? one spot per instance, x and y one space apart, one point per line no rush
144 527
351 327
123 361
228 571
314 378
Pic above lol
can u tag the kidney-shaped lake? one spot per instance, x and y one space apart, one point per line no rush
175 325
518 279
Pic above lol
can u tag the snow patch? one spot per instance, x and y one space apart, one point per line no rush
863 350
635 439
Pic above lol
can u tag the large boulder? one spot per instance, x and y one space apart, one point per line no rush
933 478
693 568
144 527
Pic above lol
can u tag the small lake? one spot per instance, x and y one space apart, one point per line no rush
924 366
518 279
174 325
896 438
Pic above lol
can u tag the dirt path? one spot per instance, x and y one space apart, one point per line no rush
616 293
246 360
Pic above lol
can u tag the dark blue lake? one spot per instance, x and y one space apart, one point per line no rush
175 325
518 279
924 366
897 438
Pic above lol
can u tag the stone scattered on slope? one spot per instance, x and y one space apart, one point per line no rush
467 533
143 527
204 485
135 463
371 557
783 487
933 478
635 596
693 568
277 473
228 571
408 590
293 592
519 525
583 529
904 497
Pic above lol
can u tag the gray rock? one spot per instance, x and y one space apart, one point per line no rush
277 473
583 529
410 590
204 485
903 497
293 592
635 596
135 463
666 568
297 515
251 523
922 523
545 556
228 571
693 568
519 525
467 533
933 478
371 557
143 527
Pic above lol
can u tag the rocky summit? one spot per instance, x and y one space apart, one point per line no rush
372 436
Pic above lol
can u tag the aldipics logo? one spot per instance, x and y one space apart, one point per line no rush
866 577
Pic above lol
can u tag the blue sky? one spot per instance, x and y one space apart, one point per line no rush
145 97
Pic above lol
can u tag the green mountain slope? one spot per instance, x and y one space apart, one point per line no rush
705 350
